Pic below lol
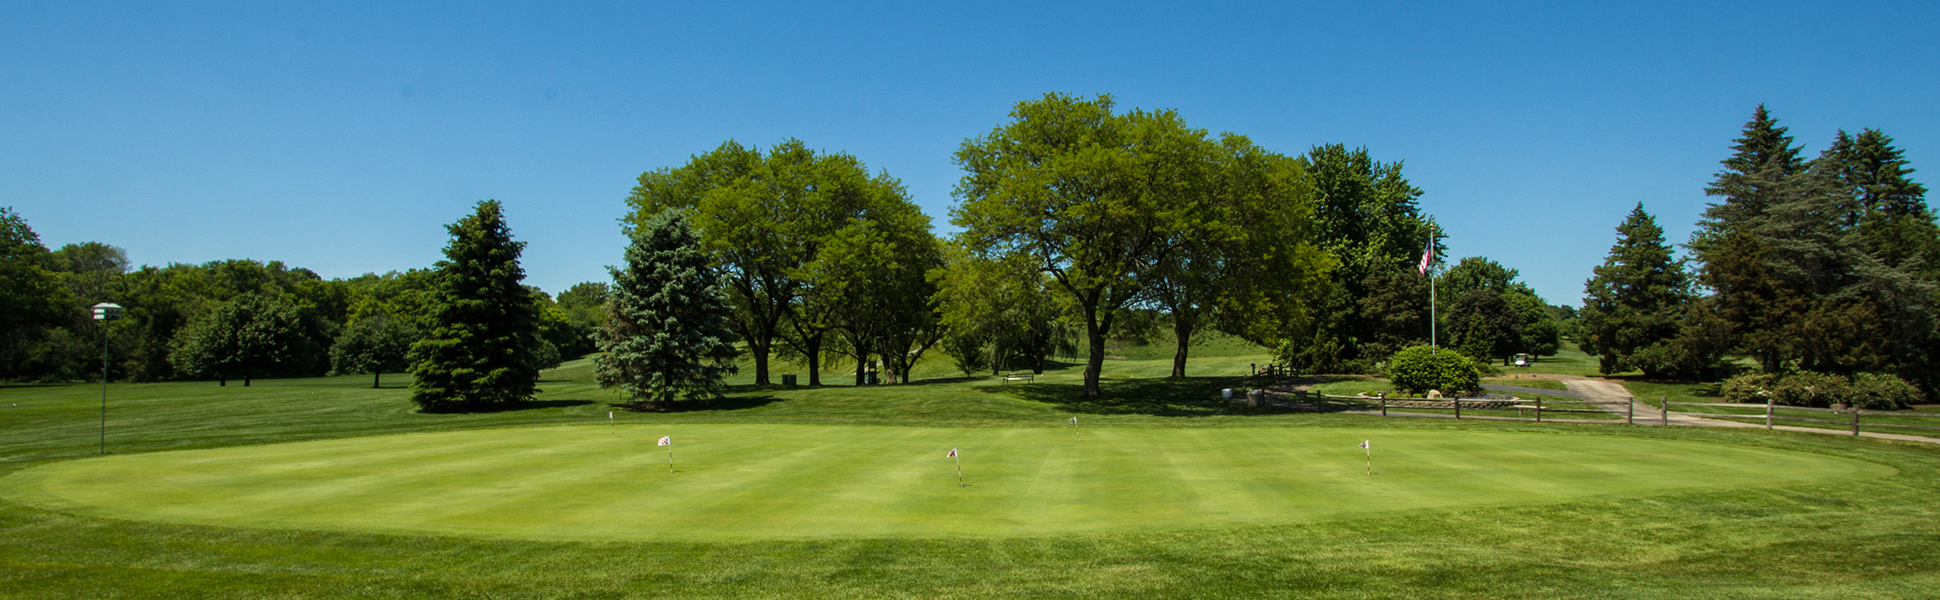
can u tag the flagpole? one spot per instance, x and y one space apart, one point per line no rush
670 456
1074 429
959 470
610 427
1370 458
1431 312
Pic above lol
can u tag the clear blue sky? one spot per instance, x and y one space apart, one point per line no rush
343 137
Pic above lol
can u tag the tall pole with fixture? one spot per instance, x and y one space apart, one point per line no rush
105 312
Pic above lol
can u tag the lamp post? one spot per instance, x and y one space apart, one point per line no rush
105 312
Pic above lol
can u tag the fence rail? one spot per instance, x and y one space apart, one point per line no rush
1319 402
1771 414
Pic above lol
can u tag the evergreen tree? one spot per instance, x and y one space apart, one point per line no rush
1754 178
1484 325
1636 301
479 351
668 333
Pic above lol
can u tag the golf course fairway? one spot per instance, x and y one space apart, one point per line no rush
765 482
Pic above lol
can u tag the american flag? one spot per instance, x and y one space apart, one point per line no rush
667 441
952 454
1427 255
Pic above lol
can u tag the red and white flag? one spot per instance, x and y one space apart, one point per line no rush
1427 255
1364 443
952 454
1074 420
666 441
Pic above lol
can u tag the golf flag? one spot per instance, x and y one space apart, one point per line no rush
1427 255
952 454
1364 443
666 441
1370 455
1074 420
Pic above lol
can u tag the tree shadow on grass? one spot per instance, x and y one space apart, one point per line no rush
723 403
522 406
1189 397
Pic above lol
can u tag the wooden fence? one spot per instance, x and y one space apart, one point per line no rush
1317 402
1852 419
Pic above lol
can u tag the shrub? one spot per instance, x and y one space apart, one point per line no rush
1810 389
1421 368
1877 391
1749 388
1866 390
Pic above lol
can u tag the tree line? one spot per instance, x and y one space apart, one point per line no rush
1814 268
1079 222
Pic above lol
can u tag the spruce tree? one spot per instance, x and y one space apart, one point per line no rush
483 325
667 334
1754 178
1635 301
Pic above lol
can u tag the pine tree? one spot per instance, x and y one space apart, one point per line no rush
1755 178
667 335
1635 301
483 325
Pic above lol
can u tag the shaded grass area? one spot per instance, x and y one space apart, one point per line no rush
1865 538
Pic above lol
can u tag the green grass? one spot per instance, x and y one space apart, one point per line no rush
1528 382
1846 537
739 483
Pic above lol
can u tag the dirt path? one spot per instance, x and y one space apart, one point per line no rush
1613 397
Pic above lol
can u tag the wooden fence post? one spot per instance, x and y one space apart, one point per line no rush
1384 404
1630 412
1855 420
1768 414
1458 406
1539 409
1664 403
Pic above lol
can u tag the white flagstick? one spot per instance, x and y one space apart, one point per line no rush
1074 429
610 427
1370 456
668 441
953 454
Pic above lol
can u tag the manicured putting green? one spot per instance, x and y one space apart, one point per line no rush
756 482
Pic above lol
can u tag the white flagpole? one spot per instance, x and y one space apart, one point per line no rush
1431 312
1074 429
670 454
1370 456
610 427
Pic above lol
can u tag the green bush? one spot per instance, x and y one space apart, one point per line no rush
1883 392
1866 390
1749 388
1418 369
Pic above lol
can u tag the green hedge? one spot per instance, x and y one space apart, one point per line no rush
1865 390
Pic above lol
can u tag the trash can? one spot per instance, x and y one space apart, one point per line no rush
1253 397
788 380
874 379
1226 394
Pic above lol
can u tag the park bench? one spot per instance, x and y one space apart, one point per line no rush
1024 376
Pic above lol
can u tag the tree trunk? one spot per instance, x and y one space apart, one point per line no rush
1095 364
760 352
861 368
814 348
376 378
222 380
245 380
1181 329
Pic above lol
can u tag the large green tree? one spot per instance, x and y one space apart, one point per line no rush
1081 190
765 217
1634 305
999 312
1248 265
1368 218
254 335
667 334
374 344
483 325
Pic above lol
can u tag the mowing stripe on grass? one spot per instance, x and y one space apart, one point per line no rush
757 482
